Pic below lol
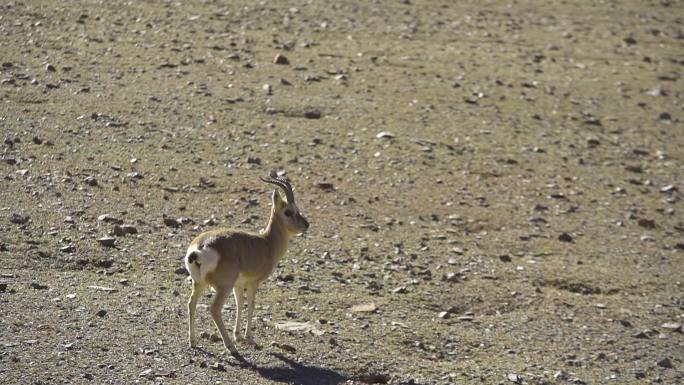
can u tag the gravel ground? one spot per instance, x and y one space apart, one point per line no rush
494 188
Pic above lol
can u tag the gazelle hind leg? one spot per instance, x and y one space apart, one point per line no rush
251 295
239 292
197 290
216 308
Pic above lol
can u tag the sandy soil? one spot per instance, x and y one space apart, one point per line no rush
499 185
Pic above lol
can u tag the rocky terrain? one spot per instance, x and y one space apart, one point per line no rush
495 189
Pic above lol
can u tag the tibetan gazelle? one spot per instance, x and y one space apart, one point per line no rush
229 259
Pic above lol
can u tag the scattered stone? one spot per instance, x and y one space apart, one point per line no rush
630 40
170 222
450 277
672 326
514 378
665 363
325 186
384 135
50 68
129 229
647 223
3 287
38 286
181 271
668 188
665 116
281 59
374 378
253 160
108 218
19 219
313 114
102 288
565 237
505 258
399 290
90 181
101 313
218 366
268 89
444 315
107 241
118 231
364 308
68 249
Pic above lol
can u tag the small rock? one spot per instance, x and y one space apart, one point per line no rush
514 378
118 231
129 229
505 258
50 68
313 114
38 286
107 241
374 378
364 308
37 140
3 287
19 219
444 315
68 249
268 89
647 223
325 186
101 313
665 363
108 218
399 290
668 188
665 116
565 237
630 40
281 59
171 222
90 181
218 366
384 135
253 160
672 326
450 277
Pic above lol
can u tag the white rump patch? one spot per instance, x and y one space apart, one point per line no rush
207 259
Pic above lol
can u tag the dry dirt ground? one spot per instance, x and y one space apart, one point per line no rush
494 188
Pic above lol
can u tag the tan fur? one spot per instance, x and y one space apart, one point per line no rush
245 260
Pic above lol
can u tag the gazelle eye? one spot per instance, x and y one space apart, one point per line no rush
288 213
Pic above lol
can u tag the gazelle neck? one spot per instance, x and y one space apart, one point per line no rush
276 235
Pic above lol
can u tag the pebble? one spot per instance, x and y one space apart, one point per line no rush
672 326
384 135
108 218
365 308
107 241
281 59
19 219
50 68
665 363
101 313
565 237
68 249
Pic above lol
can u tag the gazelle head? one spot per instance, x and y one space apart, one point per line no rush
286 210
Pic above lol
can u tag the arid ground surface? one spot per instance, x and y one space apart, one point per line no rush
495 189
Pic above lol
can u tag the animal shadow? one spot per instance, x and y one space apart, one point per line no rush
300 374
